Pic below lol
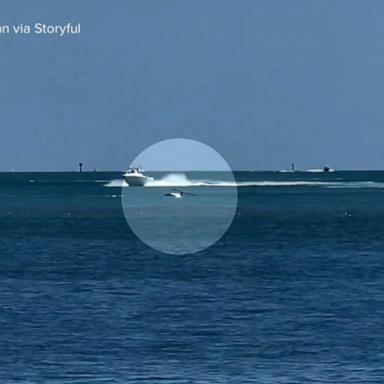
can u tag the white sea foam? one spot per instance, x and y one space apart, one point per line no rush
181 180
356 184
174 180
117 183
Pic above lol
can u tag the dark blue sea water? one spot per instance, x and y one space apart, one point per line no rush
293 292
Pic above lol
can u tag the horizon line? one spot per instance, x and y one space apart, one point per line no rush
310 170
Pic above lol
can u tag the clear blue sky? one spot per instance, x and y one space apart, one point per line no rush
263 82
180 155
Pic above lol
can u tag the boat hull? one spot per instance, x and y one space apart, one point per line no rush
136 181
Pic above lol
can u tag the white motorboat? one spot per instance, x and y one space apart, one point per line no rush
135 178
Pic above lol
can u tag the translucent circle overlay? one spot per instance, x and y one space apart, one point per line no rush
188 201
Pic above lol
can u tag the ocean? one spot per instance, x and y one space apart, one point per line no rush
293 292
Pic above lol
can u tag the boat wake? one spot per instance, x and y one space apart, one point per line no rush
181 180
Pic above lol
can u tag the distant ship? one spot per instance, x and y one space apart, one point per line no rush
325 169
135 178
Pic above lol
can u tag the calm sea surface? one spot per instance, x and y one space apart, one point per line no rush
292 293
